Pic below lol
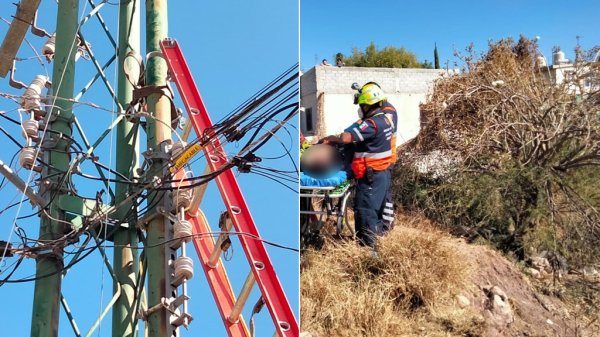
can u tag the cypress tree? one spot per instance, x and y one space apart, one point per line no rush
436 58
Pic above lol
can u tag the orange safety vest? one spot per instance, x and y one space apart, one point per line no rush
375 141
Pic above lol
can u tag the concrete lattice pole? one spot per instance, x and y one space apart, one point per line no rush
126 259
49 265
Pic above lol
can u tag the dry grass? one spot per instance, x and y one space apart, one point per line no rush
408 289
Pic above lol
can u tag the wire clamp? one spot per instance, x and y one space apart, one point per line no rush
245 162
156 182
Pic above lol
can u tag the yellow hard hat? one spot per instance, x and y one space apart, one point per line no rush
369 94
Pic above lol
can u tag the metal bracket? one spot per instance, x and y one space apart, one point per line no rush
160 211
11 81
141 93
50 141
162 305
171 305
83 207
37 30
150 155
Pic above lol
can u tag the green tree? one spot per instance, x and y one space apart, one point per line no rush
388 57
436 58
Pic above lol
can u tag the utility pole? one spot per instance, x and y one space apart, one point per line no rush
158 134
126 259
49 264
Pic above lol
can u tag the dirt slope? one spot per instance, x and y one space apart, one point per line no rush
424 282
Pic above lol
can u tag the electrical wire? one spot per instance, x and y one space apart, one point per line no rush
89 250
247 117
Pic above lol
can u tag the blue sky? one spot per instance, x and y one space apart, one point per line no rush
233 48
328 27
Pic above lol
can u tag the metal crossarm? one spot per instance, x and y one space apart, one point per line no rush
256 254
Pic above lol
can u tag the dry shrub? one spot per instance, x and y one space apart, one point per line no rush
503 152
345 291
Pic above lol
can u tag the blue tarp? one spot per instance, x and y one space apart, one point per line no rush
334 180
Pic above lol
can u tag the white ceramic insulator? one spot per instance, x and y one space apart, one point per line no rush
49 48
184 267
31 97
182 198
30 128
182 229
27 157
177 149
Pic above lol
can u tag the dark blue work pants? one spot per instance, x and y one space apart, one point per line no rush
369 204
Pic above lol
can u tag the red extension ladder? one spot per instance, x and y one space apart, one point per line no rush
262 271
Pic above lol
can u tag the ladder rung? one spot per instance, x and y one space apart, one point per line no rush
242 298
217 278
225 224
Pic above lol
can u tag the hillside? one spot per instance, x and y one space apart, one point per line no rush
424 282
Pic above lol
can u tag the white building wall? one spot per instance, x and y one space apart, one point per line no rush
327 92
342 113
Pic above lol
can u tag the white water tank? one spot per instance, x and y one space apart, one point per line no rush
559 57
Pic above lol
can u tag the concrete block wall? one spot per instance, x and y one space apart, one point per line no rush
335 80
327 91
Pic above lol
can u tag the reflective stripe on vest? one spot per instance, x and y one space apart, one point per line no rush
393 140
373 155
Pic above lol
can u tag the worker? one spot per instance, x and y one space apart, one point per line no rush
373 137
390 111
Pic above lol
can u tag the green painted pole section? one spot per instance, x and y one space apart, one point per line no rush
156 74
126 259
46 300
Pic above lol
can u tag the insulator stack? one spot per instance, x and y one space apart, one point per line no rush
49 47
184 269
181 267
30 129
27 157
182 231
182 199
31 99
